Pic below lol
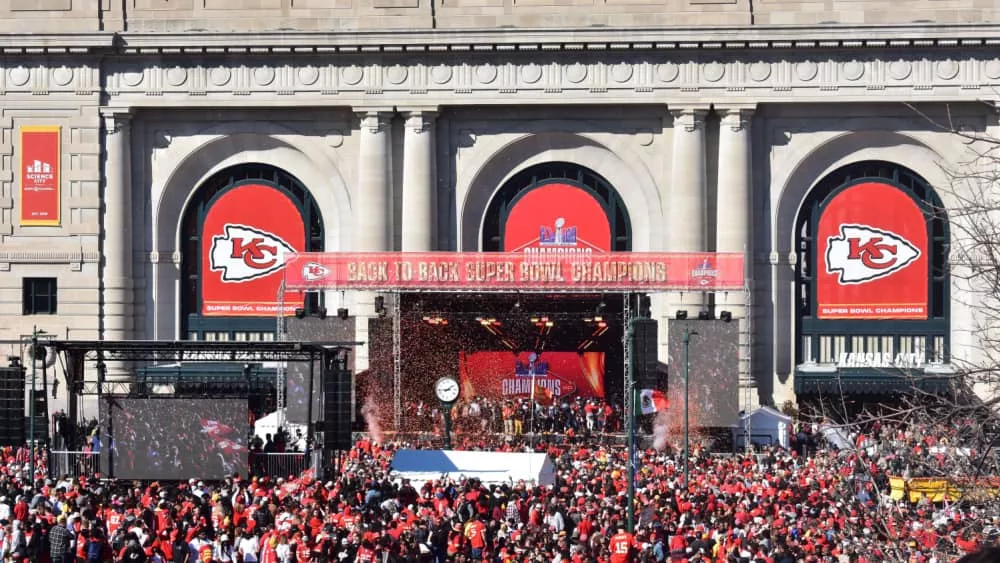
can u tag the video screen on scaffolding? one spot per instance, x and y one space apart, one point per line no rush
168 438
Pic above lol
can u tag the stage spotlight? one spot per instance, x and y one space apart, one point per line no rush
681 314
704 315
601 307
726 316
321 313
380 305
14 361
300 313
343 313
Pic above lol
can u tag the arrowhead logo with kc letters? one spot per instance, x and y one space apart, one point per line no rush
244 253
862 254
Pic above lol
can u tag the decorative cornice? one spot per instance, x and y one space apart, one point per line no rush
879 37
382 83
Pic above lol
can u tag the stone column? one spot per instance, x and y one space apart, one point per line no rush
733 201
117 225
373 195
372 211
117 233
686 202
419 180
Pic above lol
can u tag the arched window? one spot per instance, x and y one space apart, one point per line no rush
867 307
200 323
573 175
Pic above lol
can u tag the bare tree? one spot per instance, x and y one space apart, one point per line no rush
928 437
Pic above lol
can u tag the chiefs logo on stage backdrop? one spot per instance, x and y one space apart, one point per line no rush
248 235
871 256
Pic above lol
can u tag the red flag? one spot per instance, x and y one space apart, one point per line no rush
542 395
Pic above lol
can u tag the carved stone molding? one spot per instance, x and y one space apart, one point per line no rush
419 121
375 120
736 118
759 76
689 119
116 119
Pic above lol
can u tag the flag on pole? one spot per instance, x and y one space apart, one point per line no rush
652 400
542 395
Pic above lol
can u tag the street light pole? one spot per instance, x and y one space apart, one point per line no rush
688 333
31 404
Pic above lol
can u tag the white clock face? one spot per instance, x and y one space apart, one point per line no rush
446 389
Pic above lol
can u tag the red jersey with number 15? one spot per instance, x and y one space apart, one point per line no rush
621 545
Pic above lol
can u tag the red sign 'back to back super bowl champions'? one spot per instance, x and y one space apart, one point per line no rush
871 255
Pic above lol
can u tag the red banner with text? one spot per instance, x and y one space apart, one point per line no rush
247 237
504 375
41 155
871 258
490 271
557 217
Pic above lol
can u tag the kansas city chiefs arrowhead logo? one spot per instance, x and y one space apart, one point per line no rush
244 253
862 254
313 271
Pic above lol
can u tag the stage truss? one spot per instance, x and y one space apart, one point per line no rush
77 353
317 272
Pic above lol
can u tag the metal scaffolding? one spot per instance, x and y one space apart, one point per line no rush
279 372
397 362
628 387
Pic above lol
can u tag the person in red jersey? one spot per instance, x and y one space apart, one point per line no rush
622 545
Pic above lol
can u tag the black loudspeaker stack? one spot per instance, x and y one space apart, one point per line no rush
644 353
337 379
12 416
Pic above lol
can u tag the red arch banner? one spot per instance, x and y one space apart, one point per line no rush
511 272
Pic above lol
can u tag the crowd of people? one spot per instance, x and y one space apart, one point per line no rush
810 502
515 416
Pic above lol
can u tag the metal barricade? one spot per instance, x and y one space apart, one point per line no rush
292 464
73 463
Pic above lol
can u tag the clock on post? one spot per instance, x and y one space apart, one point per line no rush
447 391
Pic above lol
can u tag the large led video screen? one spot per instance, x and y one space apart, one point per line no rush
173 438
714 368
501 375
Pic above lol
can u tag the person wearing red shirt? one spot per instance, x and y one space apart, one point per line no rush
366 553
621 545
476 532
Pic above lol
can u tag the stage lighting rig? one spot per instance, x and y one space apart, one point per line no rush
681 314
435 320
343 313
726 316
542 322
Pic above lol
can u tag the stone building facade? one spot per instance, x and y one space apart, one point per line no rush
712 120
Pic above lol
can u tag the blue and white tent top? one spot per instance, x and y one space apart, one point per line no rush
420 466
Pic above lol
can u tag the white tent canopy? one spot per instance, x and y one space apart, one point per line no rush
269 425
767 426
420 466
